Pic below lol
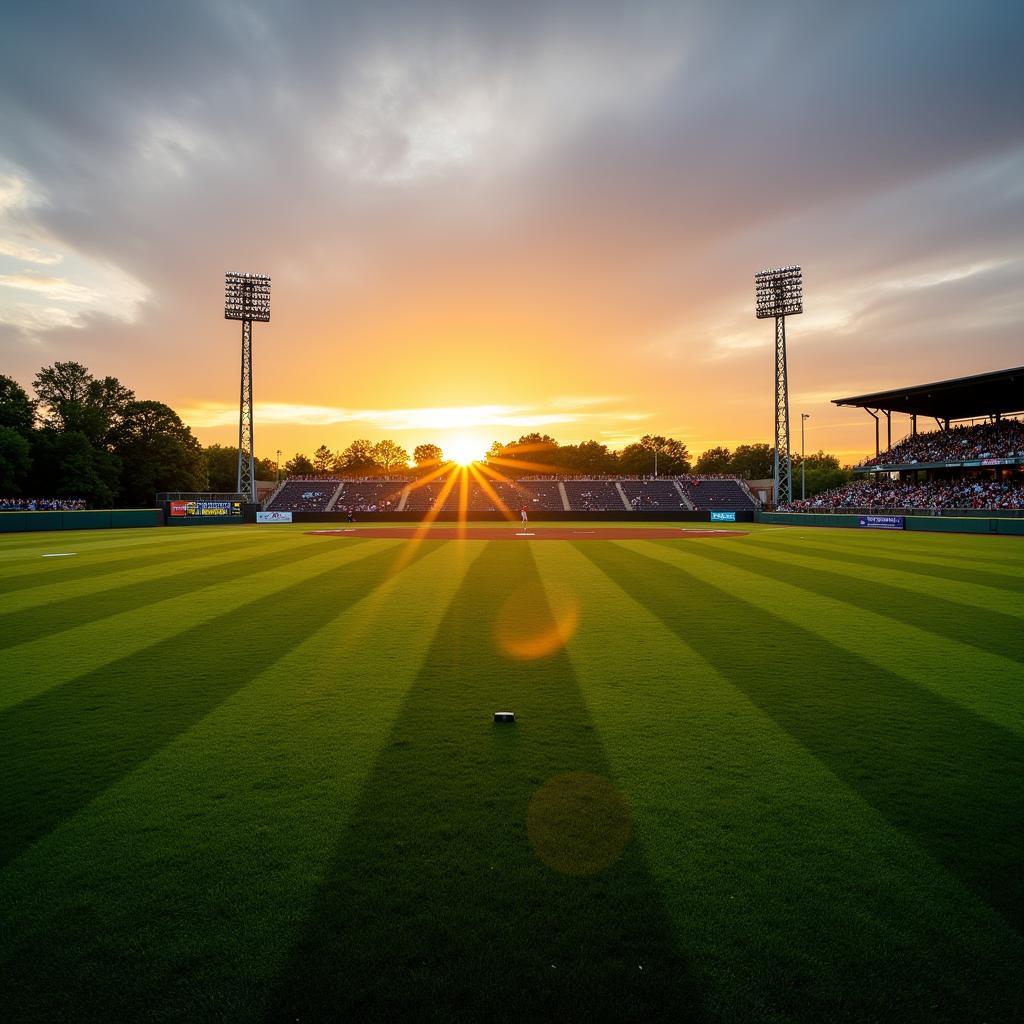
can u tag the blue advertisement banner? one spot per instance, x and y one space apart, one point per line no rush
723 517
882 522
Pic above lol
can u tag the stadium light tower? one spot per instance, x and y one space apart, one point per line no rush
780 293
246 298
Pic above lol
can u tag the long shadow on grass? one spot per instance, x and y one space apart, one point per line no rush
89 564
65 746
938 772
951 620
955 574
31 623
435 907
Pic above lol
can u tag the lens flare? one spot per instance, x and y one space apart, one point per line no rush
578 823
536 621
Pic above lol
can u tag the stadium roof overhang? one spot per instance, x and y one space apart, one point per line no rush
985 394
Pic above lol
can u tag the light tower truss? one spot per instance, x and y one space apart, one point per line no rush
246 298
779 293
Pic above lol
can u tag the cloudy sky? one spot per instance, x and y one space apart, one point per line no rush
483 219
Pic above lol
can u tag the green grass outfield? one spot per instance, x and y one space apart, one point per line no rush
251 774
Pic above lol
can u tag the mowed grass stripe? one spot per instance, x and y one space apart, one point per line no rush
792 897
61 748
1009 579
990 689
110 572
32 668
164 583
972 549
945 776
194 902
955 616
435 907
42 572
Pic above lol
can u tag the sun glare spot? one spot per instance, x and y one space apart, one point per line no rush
463 451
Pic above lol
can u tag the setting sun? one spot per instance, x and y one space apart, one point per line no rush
464 450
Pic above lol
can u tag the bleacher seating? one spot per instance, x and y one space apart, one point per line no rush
593 496
303 496
717 494
1001 440
509 496
371 495
653 495
969 492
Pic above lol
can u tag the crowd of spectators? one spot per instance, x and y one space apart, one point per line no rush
300 495
42 504
653 495
966 493
593 495
1000 440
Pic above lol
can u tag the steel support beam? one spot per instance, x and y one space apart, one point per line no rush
246 458
783 465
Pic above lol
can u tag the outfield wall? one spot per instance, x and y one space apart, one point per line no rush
92 519
926 524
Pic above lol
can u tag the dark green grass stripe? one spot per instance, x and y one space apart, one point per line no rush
32 623
986 629
87 564
1010 582
935 770
435 907
61 748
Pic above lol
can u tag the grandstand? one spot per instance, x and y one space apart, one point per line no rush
974 460
492 496
594 496
371 495
302 495
717 494
655 496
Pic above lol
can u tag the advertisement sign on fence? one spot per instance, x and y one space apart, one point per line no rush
723 517
205 508
882 522
273 517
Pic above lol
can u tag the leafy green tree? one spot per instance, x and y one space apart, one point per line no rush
15 461
74 400
358 459
323 459
587 457
753 461
427 456
714 460
65 464
266 469
17 410
221 467
298 465
823 472
391 457
638 458
157 453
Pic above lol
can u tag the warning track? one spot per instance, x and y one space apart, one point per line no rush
516 533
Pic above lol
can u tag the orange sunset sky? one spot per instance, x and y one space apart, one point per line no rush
483 220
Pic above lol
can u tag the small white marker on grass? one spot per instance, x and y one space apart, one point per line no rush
504 716
61 554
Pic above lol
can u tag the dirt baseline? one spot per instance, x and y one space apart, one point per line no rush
514 532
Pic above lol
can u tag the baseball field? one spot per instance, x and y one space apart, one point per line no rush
252 773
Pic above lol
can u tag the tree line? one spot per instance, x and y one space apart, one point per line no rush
90 437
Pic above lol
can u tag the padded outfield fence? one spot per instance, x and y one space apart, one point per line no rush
976 523
90 519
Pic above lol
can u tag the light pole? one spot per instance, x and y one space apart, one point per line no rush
804 417
779 293
278 465
246 298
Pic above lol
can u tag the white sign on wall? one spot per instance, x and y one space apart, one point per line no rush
273 517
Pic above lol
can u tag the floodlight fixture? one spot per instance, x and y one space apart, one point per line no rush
246 298
779 293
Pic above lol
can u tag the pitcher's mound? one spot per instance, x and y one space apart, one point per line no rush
530 533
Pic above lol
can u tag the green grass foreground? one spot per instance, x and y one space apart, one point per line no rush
251 774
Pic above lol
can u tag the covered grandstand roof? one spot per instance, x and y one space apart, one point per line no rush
961 398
